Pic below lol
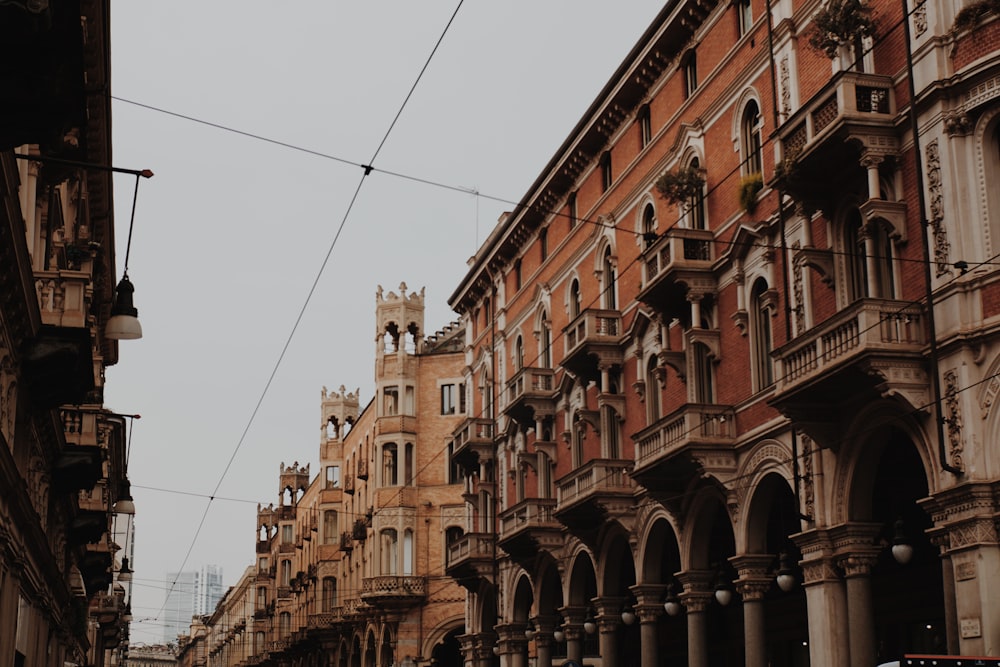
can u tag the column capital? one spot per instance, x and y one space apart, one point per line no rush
697 593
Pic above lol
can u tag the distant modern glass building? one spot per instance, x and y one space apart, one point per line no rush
190 593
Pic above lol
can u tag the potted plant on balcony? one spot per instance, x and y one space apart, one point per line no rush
682 184
842 24
750 187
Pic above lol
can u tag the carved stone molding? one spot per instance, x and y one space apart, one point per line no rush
942 248
958 124
953 419
919 17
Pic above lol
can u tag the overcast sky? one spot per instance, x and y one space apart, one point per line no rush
232 232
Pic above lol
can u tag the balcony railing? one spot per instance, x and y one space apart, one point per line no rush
678 249
472 443
530 383
694 424
326 619
471 546
595 478
865 99
374 589
593 326
528 514
869 326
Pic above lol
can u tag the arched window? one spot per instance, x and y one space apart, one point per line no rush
703 374
407 552
545 342
518 353
645 123
284 624
453 534
610 280
574 300
329 593
854 251
330 527
286 573
390 550
696 205
390 464
744 16
760 335
648 225
882 252
486 388
750 141
654 406
408 464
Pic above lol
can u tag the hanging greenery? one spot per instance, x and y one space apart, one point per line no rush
682 184
841 22
750 186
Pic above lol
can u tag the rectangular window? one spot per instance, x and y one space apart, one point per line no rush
645 126
287 533
543 242
447 399
571 206
690 74
454 470
744 16
461 398
390 401
410 405
263 563
330 535
606 175
333 477
517 274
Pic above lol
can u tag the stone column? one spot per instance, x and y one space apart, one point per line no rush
573 627
513 644
827 612
871 163
696 597
609 610
649 608
543 641
755 578
857 568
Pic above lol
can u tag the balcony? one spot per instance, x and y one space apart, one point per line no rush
852 113
592 340
393 424
346 541
531 391
393 591
472 444
471 559
696 439
349 484
599 490
64 297
529 527
872 349
678 262
363 469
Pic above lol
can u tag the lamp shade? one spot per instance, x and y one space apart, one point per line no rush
628 616
124 321
589 627
125 572
559 635
902 550
124 504
786 577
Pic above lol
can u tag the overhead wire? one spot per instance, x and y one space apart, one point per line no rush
366 171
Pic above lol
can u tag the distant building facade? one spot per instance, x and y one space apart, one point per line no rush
350 562
190 593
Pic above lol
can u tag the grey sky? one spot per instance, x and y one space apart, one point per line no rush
231 232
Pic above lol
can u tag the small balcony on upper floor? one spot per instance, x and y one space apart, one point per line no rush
472 444
531 391
528 527
677 263
697 438
871 349
593 340
594 492
391 424
855 112
471 559
393 591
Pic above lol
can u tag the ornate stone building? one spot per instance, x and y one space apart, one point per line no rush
350 562
62 454
731 362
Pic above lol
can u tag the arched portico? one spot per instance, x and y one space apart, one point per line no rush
663 633
616 618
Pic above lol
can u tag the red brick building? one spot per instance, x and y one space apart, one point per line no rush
701 362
